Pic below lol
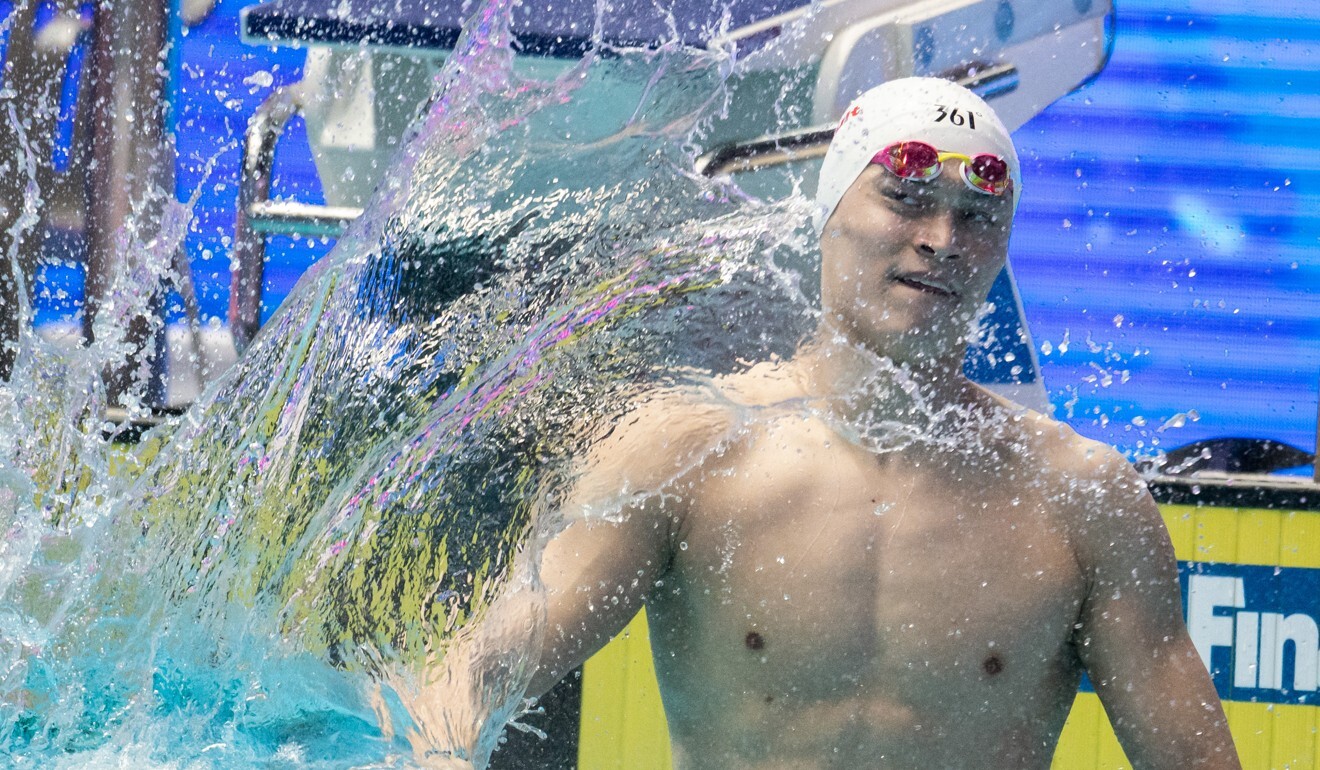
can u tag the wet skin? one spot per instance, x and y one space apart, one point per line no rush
824 595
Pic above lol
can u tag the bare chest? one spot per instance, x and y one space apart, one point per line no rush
915 580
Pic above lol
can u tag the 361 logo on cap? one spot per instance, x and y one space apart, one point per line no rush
955 116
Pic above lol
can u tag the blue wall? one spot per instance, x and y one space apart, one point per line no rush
1169 227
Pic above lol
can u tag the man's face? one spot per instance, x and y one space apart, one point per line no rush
906 264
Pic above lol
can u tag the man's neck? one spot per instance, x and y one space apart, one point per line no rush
860 386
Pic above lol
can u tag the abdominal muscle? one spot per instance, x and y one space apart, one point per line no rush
759 723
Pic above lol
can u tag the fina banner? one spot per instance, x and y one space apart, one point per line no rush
1257 629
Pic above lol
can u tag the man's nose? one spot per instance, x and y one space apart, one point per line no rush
935 236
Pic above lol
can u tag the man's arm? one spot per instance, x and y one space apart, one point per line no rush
624 512
1131 636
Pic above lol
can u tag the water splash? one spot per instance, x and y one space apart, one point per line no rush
296 570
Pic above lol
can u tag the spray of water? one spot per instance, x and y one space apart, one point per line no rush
331 559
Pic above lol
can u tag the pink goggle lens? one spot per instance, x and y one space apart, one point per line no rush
987 173
911 160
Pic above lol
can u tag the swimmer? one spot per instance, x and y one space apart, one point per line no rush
883 564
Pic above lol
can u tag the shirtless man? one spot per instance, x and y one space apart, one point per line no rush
858 558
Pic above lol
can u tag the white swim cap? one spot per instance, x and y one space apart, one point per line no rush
932 110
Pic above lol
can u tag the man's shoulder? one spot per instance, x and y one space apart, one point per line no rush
663 418
1060 449
698 410
1099 474
646 450
1103 497
1094 476
768 383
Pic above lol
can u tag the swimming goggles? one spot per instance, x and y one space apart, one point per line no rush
920 162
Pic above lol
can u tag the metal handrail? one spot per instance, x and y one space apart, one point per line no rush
768 150
249 259
294 218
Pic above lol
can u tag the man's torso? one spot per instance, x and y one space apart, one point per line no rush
834 606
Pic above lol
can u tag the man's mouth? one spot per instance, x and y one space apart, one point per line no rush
927 283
